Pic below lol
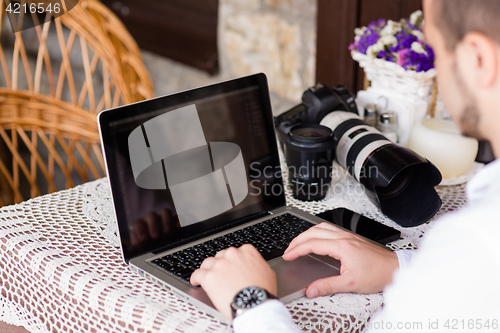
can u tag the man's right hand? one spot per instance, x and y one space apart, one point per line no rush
366 268
232 270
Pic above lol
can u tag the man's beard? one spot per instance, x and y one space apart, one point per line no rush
469 117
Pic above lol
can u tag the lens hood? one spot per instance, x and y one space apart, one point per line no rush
402 184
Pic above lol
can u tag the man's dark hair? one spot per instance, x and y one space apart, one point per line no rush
456 18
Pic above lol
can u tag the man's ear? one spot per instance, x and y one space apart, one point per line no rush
480 59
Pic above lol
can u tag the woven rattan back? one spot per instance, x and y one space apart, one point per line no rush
54 79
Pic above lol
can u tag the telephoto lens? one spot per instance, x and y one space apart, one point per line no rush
309 154
396 178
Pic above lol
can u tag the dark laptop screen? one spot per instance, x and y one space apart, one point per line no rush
190 164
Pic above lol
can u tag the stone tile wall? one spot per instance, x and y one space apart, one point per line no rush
276 37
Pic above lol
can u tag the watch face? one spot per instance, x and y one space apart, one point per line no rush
249 297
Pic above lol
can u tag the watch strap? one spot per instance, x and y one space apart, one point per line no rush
236 310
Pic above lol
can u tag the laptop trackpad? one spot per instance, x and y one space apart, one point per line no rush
294 276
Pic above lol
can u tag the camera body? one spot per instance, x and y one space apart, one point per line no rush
317 102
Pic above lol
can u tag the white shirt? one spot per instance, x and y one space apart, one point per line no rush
452 282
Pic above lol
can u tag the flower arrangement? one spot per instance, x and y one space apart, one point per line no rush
400 42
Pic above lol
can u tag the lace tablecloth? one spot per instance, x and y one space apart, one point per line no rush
61 268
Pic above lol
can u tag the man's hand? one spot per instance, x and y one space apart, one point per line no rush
230 271
365 267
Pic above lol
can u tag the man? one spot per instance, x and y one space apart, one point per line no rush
452 282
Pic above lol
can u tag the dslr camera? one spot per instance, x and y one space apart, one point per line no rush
325 127
309 146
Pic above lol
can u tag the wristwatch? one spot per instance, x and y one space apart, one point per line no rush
249 298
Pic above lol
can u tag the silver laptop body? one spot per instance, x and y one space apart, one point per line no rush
191 167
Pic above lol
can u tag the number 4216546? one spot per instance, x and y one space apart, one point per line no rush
472 324
18 8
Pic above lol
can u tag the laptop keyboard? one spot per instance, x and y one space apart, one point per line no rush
270 237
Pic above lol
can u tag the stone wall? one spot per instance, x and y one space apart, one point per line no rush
276 37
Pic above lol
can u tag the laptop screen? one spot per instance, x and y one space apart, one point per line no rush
184 166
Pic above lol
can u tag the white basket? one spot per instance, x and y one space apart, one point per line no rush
389 75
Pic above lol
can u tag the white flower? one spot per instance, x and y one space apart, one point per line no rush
360 31
416 18
391 28
374 49
388 40
418 34
418 47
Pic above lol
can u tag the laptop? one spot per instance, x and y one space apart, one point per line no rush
198 171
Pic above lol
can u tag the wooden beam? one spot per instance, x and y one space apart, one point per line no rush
335 32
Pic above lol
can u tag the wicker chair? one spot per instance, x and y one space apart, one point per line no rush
48 129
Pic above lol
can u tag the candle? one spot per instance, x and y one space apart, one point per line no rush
440 141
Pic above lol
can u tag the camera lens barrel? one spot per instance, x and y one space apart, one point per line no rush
355 139
400 181
309 152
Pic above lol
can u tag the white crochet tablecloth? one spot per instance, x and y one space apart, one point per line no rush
61 268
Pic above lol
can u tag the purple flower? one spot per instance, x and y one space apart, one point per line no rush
377 25
402 55
399 52
419 62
